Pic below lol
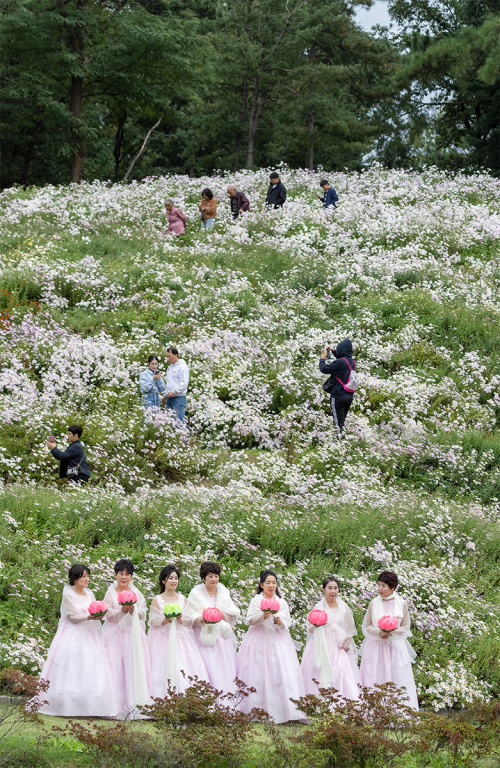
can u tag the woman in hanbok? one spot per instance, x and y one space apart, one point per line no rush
173 650
330 656
77 666
386 657
216 642
125 639
267 658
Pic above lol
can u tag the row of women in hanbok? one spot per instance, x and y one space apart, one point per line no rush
112 671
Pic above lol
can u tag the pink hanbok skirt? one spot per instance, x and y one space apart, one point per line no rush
344 666
220 662
119 646
189 660
268 661
79 672
387 661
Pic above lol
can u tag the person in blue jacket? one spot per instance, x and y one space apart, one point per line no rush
339 370
330 197
151 384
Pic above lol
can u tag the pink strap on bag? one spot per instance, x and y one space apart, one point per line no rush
352 382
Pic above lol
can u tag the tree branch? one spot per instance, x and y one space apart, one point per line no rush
141 149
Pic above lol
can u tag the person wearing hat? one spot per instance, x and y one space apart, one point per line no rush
330 197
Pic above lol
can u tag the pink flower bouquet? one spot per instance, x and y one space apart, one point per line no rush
269 604
127 598
318 617
98 608
212 615
388 623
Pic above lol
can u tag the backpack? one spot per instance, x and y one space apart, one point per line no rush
352 381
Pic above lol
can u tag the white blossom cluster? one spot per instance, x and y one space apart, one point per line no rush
406 266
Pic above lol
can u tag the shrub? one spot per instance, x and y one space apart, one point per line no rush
206 723
370 732
28 690
123 744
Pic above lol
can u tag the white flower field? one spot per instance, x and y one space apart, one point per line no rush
407 266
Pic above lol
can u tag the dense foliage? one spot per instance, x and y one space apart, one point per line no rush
407 265
87 85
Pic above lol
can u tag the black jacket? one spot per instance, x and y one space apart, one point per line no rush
338 368
71 457
276 195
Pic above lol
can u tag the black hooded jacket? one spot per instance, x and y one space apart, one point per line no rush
338 368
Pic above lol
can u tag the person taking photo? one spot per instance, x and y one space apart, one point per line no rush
342 382
151 384
73 461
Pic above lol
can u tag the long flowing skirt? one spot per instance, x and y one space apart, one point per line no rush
220 662
387 661
267 661
118 643
189 660
79 672
344 666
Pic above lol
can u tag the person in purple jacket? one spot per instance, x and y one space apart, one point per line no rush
239 201
176 218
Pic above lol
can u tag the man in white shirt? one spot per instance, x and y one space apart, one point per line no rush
177 383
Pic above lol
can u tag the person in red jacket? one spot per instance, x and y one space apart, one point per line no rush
239 201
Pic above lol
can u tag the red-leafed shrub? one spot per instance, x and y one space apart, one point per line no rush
28 696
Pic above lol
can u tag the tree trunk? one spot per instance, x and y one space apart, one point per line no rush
77 37
76 102
237 139
310 116
28 157
255 113
310 141
117 150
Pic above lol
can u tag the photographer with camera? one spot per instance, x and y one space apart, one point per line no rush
73 462
342 383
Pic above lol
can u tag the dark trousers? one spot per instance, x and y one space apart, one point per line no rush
80 478
340 409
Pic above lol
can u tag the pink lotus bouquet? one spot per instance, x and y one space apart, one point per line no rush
98 608
269 604
127 598
388 623
212 615
318 617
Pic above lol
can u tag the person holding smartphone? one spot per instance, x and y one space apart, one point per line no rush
152 385
73 461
